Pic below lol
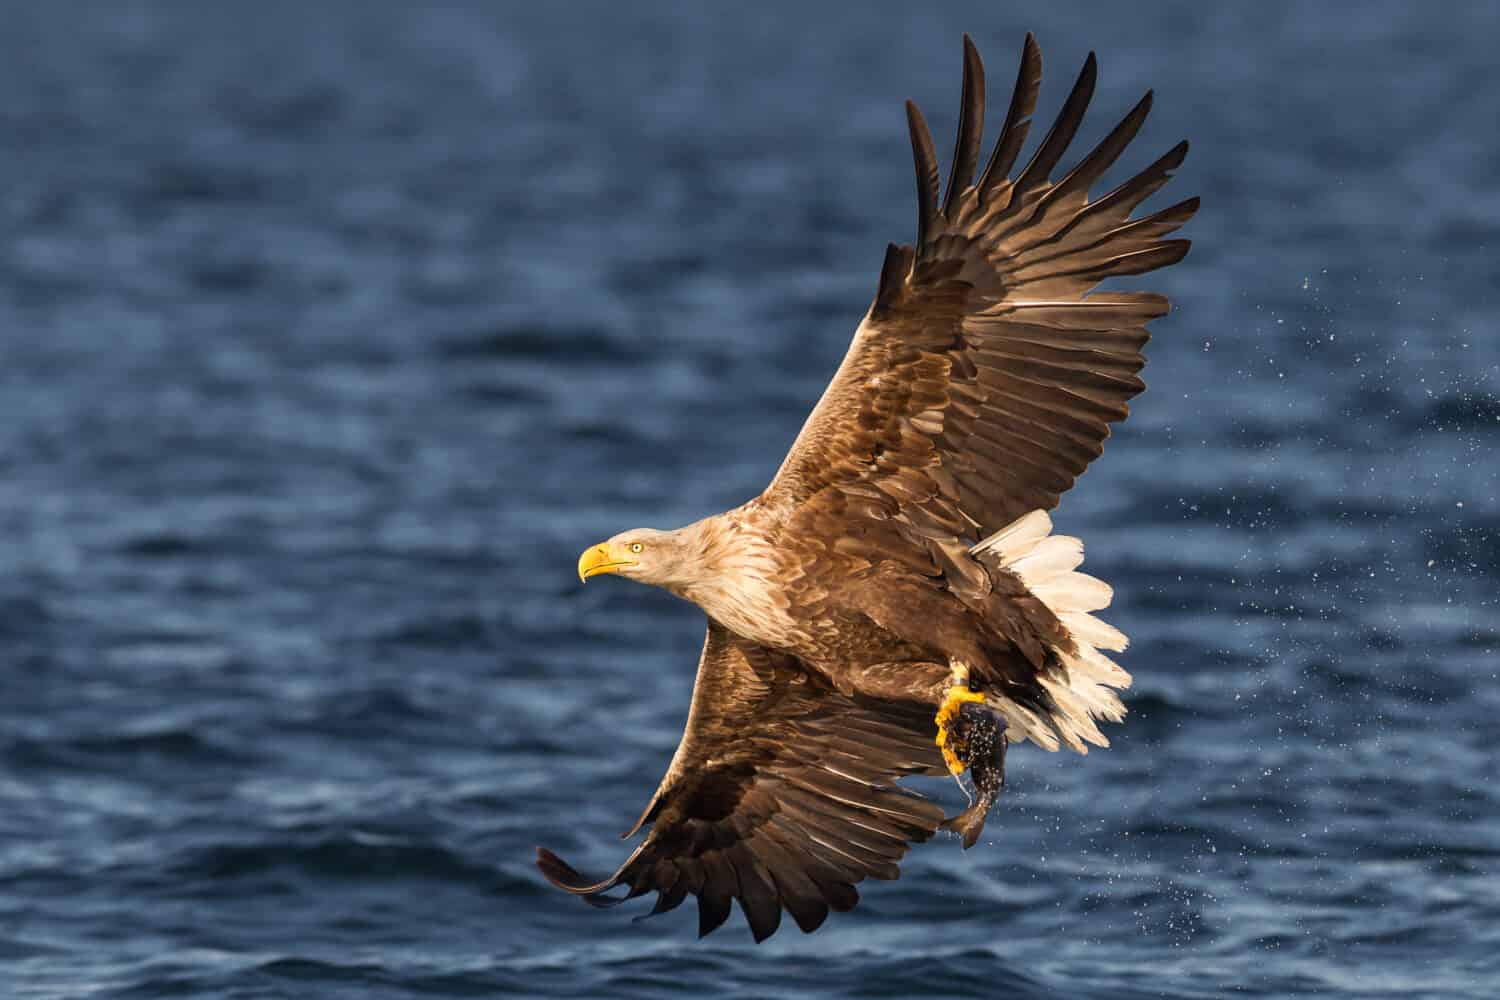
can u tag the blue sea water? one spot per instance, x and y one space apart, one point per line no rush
330 335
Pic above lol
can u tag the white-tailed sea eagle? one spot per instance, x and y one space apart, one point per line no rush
895 603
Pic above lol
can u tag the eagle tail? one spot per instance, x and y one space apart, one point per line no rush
1083 680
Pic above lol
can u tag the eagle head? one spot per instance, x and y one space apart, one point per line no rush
644 554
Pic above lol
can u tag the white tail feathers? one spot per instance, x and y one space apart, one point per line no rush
1016 539
1083 688
1077 591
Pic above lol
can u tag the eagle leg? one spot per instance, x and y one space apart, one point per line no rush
971 735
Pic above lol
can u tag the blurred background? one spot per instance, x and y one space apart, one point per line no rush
331 336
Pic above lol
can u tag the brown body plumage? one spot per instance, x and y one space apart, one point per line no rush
903 544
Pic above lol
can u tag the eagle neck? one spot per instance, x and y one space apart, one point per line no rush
732 578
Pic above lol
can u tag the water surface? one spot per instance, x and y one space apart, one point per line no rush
331 337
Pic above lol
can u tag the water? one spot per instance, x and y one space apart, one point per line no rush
332 337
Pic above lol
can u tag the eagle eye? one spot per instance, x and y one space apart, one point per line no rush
636 546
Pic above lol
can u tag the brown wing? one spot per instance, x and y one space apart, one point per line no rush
985 376
780 795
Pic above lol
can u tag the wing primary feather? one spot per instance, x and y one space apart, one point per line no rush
1156 224
893 273
970 127
758 897
1176 214
1063 129
667 899
713 910
1017 118
1140 261
841 896
806 907
565 876
787 867
721 884
1088 170
646 815
1123 199
927 174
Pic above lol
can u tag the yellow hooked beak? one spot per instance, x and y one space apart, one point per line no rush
602 558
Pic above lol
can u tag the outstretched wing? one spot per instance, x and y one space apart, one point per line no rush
780 795
985 376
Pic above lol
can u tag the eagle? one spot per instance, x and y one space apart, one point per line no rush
895 602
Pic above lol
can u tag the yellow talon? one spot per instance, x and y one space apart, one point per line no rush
953 702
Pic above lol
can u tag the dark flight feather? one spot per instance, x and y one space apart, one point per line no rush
970 126
799 834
